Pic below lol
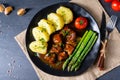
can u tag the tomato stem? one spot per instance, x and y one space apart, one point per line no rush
81 22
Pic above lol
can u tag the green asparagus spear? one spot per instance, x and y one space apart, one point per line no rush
77 67
70 57
81 47
83 52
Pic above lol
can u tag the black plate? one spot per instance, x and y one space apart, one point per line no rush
77 11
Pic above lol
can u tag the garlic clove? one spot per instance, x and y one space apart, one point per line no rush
21 12
8 10
2 8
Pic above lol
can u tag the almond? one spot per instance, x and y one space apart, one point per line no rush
8 10
2 8
21 12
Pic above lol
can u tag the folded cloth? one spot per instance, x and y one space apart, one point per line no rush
112 49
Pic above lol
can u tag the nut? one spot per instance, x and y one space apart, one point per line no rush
2 8
8 10
21 12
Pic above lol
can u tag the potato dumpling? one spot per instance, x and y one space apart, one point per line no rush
39 47
47 25
66 13
40 33
57 20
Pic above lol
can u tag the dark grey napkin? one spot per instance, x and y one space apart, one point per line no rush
107 7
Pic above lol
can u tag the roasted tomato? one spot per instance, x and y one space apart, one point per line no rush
81 22
115 5
108 0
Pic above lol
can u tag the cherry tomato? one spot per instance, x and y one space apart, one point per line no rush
108 0
116 5
81 22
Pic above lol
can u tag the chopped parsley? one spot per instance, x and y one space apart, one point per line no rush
35 54
42 40
43 30
61 44
65 32
63 14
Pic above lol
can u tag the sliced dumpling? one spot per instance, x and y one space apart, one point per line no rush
38 46
40 33
66 13
57 20
47 25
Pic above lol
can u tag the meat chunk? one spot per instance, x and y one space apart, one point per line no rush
62 56
68 33
72 43
55 49
57 39
69 49
71 36
51 58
